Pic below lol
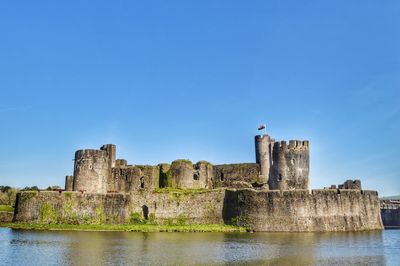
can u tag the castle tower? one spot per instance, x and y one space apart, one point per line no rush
91 171
112 153
69 183
182 174
263 155
291 164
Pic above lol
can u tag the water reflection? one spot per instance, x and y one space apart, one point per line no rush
127 248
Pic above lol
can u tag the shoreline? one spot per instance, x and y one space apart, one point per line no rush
126 227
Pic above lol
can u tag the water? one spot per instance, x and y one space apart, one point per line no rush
19 247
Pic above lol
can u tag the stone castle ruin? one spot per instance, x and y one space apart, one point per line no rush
271 194
279 166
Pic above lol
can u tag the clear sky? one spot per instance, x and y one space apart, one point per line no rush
193 79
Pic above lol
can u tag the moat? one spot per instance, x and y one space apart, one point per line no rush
24 247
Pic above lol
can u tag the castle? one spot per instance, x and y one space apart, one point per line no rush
271 194
279 166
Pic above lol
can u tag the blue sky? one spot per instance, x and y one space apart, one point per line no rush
193 79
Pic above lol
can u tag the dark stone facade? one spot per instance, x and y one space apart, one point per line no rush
391 217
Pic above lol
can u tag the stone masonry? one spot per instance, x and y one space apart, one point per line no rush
271 194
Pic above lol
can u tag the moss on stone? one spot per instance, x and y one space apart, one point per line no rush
69 215
169 222
100 215
181 220
183 191
204 162
152 218
67 194
241 220
156 177
182 161
47 214
143 167
6 208
136 218
27 195
165 175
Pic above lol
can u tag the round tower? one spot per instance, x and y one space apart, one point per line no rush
263 155
182 174
291 165
69 183
112 151
91 171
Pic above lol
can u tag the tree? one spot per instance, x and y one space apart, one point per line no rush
34 188
50 188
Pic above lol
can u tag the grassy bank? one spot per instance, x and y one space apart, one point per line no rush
127 227
6 208
186 191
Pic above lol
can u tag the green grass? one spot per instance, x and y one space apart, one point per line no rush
127 227
6 208
184 191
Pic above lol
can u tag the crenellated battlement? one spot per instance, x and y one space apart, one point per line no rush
292 145
290 165
90 153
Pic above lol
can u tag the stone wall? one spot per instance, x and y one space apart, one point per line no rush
350 184
183 174
190 207
71 207
6 217
391 217
261 210
229 175
76 207
125 179
292 211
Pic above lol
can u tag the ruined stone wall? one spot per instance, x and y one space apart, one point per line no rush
128 178
292 211
203 172
183 174
91 171
290 167
6 217
76 207
263 147
230 175
69 183
188 207
111 150
350 184
71 207
261 210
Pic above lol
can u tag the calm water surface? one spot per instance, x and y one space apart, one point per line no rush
19 247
